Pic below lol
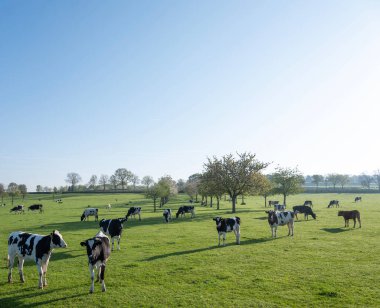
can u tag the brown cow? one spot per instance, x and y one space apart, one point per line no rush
347 215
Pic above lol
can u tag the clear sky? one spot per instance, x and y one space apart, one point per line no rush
156 87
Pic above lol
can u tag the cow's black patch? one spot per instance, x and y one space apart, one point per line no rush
285 214
10 240
43 247
22 243
56 239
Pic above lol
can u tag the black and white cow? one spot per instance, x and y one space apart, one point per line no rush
59 201
309 203
332 203
134 211
98 252
304 209
17 209
167 213
227 225
113 228
185 209
279 207
271 202
357 199
276 219
89 212
36 207
34 247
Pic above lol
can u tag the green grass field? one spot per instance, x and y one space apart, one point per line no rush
180 264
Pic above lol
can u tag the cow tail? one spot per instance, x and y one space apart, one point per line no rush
8 262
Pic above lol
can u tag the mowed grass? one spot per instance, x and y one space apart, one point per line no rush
179 264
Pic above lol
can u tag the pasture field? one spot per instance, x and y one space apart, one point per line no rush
180 265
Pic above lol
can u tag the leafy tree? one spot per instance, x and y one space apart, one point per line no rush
92 182
167 188
13 190
23 190
376 177
73 178
114 181
343 179
181 186
2 192
208 186
134 180
147 181
153 192
123 176
235 175
317 179
192 184
264 185
39 188
103 180
287 181
333 178
365 180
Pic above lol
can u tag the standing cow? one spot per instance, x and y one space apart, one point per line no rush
167 214
113 228
36 207
34 247
98 252
332 203
276 219
17 209
185 209
89 212
227 225
134 211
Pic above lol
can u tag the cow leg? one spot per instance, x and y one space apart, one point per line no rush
112 243
102 270
40 274
224 238
44 268
139 220
11 261
118 242
20 268
92 274
219 234
354 222
237 234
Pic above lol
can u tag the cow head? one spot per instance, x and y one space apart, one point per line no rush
313 215
57 240
82 217
272 217
180 210
340 213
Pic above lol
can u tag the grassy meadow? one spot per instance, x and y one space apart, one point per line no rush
179 264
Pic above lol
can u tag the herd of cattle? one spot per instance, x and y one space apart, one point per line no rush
27 246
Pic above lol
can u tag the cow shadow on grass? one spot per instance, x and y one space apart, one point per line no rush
334 230
15 299
191 251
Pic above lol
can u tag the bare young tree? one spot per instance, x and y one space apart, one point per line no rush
103 180
147 181
73 178
376 177
134 179
2 193
365 180
92 182
317 179
23 190
343 179
333 178
113 181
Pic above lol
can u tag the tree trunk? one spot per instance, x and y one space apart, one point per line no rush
154 204
265 200
285 199
211 201
217 202
196 197
233 198
242 199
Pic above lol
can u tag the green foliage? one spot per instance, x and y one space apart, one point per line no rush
287 181
180 265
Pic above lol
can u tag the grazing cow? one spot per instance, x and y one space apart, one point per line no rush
59 201
276 219
17 209
332 203
271 202
309 203
357 199
98 252
134 211
113 228
279 207
167 213
347 215
185 209
34 247
89 212
227 225
304 209
36 207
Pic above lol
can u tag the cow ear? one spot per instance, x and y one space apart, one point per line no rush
83 243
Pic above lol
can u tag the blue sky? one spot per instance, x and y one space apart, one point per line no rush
158 86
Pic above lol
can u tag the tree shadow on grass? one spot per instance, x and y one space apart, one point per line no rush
334 230
191 251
